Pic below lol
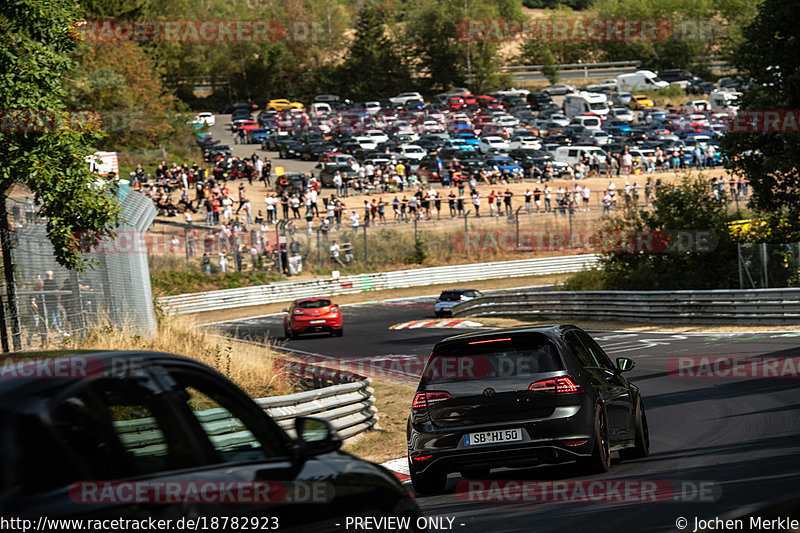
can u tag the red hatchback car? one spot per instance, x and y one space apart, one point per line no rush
312 315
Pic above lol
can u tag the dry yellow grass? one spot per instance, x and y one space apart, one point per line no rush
393 402
249 366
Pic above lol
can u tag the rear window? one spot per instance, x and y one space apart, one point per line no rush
450 296
502 358
314 304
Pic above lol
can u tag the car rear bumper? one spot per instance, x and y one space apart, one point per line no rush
565 436
305 326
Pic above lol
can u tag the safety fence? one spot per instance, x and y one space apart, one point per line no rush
290 290
53 303
348 407
761 306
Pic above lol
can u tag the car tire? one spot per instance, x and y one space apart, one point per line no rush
641 448
475 473
289 333
600 460
428 482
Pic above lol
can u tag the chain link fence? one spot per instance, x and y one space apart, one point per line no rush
55 303
296 245
769 266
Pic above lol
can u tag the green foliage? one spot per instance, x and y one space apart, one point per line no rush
686 207
374 66
120 82
37 39
168 282
694 28
420 253
593 279
768 58
441 50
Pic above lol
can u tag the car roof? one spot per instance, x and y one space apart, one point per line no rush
14 388
550 331
311 299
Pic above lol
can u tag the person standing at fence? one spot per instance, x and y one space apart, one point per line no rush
52 302
476 202
33 318
507 201
334 251
451 202
223 261
548 193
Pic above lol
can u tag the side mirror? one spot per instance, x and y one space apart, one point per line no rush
316 436
285 310
624 364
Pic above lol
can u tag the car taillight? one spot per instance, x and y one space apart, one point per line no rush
559 385
298 311
424 399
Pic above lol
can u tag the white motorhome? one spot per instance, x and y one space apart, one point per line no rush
639 81
585 102
723 101
573 154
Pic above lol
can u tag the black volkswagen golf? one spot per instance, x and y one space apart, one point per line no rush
518 397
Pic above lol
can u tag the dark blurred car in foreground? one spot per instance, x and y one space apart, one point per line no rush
519 397
103 434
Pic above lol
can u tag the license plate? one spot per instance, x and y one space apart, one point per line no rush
322 321
492 437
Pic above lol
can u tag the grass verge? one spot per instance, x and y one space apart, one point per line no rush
393 401
247 365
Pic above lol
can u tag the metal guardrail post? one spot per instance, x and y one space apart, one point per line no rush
466 231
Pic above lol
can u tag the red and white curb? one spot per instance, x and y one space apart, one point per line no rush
414 324
399 467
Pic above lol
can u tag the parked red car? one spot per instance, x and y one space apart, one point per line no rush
312 315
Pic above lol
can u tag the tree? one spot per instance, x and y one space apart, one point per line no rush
374 66
768 60
37 39
684 244
436 32
120 81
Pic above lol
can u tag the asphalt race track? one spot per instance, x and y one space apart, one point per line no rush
724 443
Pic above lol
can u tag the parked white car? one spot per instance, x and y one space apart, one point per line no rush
402 98
622 113
412 151
205 118
492 143
521 141
377 135
366 143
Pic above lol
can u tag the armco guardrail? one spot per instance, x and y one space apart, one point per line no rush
287 291
348 407
763 306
